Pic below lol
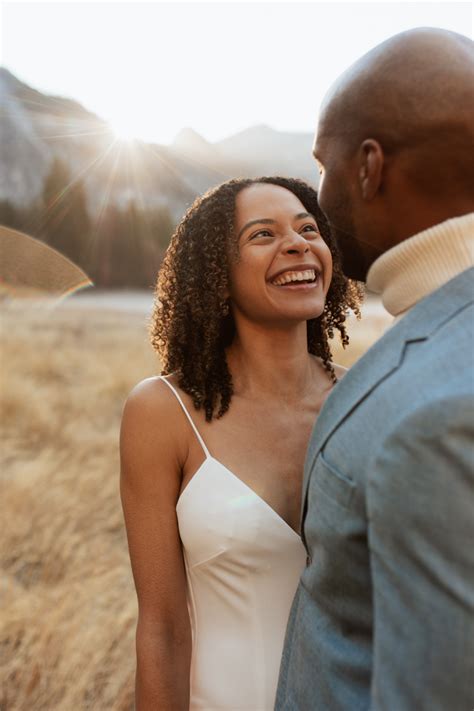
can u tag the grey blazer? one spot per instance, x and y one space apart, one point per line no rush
383 617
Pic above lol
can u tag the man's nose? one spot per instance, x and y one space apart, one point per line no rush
295 244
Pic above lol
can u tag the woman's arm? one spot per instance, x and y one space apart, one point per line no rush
151 456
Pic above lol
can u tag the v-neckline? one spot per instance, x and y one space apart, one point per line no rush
208 458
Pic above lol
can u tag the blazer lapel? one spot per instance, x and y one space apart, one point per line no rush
383 358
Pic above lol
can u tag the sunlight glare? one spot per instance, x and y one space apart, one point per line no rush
126 129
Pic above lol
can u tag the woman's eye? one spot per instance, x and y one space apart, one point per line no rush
261 233
310 228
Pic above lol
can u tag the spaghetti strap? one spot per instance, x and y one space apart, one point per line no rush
201 441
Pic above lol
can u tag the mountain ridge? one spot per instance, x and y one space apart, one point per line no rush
38 129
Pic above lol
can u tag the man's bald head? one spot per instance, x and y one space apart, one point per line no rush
418 82
412 99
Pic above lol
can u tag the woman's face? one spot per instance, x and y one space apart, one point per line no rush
284 268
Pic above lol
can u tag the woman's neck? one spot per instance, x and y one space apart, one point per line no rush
273 363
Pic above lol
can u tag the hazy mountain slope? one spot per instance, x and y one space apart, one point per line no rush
273 151
24 157
37 128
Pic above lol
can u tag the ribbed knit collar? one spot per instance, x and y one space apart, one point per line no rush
421 264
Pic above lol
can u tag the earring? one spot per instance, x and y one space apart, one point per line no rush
225 308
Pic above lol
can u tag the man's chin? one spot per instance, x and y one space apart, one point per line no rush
354 261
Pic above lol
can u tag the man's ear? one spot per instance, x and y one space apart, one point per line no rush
371 160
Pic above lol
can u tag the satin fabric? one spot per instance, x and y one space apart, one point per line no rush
243 563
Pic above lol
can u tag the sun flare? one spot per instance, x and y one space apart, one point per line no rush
137 122
126 128
124 131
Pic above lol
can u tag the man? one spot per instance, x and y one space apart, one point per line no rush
383 617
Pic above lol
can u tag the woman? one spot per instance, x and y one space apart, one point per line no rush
212 454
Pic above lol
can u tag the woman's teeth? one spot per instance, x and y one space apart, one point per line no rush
288 277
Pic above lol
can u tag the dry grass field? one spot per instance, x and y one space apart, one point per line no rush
67 597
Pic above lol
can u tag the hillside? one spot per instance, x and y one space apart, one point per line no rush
37 128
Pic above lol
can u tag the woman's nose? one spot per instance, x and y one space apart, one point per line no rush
295 244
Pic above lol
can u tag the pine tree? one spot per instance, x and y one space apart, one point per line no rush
66 225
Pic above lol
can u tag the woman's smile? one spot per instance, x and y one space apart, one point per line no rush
297 278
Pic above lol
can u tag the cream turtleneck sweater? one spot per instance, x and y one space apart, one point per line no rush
421 264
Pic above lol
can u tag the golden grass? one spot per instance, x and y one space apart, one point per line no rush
67 596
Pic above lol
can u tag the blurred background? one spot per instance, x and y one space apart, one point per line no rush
113 118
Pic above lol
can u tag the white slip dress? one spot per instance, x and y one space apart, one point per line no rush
243 564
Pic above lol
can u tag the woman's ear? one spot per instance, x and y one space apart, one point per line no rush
371 160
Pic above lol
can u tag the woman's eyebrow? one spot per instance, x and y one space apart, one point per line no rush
259 221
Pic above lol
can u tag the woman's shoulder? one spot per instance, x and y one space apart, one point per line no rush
149 396
151 411
339 370
152 434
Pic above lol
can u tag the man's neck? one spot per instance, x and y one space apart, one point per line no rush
420 214
421 264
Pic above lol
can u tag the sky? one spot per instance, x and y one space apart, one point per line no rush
153 68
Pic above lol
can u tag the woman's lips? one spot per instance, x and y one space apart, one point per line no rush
298 286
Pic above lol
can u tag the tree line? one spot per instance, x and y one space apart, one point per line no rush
120 247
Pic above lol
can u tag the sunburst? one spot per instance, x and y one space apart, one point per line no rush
125 129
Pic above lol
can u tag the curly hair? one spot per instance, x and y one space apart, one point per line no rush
191 326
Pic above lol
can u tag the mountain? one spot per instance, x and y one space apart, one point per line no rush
36 129
274 152
189 141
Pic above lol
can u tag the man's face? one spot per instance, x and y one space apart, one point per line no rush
337 198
